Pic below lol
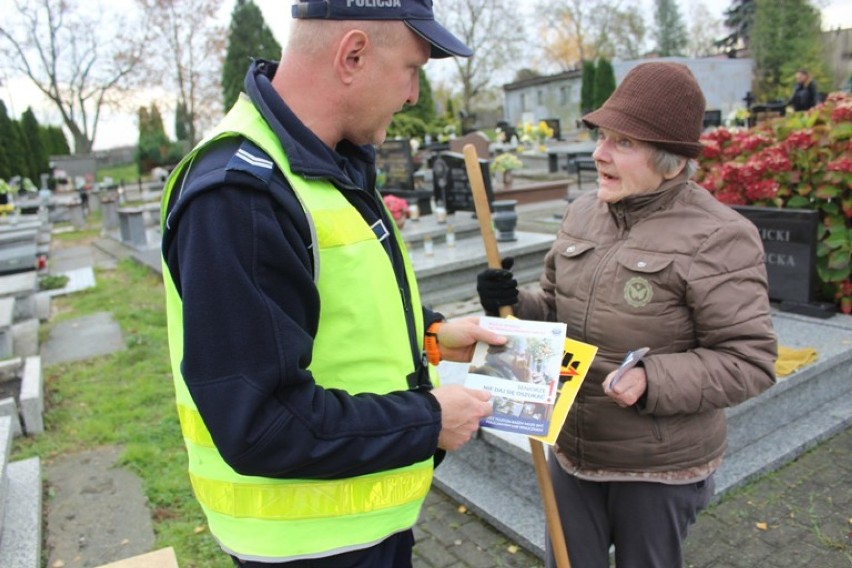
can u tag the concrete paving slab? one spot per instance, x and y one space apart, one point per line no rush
83 338
97 512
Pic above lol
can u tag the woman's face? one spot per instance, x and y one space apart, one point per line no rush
624 166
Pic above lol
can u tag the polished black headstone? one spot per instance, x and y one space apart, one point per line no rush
790 243
452 186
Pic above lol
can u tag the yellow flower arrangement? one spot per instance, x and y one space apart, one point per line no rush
507 161
537 133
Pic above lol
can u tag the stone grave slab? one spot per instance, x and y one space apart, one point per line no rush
5 449
21 286
9 409
64 259
17 251
20 544
32 396
78 279
7 307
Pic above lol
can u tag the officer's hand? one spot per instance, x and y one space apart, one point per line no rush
461 410
457 338
497 287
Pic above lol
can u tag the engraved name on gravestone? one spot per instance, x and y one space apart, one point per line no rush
393 157
451 184
789 240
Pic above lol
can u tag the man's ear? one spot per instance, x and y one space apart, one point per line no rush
349 59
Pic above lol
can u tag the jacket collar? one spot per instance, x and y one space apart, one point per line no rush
636 207
347 165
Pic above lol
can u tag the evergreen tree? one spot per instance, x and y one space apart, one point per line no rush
739 18
55 142
604 82
13 146
248 37
670 30
587 88
154 146
21 161
5 166
35 149
786 37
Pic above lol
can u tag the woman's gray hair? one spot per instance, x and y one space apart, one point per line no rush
665 162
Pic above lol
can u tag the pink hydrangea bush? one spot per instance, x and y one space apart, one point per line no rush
397 206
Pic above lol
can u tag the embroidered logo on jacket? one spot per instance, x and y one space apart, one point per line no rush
638 292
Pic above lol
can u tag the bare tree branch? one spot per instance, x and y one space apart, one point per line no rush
191 50
493 30
77 63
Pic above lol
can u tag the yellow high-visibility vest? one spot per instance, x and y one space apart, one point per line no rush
277 520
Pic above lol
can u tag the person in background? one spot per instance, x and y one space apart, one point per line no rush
300 349
649 260
804 95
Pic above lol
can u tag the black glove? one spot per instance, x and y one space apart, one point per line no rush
497 287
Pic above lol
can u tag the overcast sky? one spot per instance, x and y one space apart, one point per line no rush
121 129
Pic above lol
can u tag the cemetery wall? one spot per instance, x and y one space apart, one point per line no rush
551 96
724 81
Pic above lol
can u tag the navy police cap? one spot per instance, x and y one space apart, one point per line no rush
417 14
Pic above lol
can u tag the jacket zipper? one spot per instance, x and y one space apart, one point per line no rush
622 232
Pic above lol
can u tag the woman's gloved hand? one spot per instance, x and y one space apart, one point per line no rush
497 287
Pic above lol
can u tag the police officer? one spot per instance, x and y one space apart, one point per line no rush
299 345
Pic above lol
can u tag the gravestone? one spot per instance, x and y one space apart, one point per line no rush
452 186
556 125
393 158
479 141
712 118
789 241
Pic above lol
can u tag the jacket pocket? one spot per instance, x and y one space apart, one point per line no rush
572 266
643 281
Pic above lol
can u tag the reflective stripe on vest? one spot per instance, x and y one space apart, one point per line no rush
284 519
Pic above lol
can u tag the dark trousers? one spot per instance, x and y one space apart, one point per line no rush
393 552
647 522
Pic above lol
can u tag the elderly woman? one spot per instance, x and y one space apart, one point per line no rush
652 260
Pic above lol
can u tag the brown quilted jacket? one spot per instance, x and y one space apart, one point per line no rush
675 271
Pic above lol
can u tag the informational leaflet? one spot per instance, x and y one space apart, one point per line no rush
533 378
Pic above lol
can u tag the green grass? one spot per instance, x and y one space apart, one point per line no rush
126 172
126 399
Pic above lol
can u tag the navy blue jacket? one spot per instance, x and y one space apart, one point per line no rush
237 246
